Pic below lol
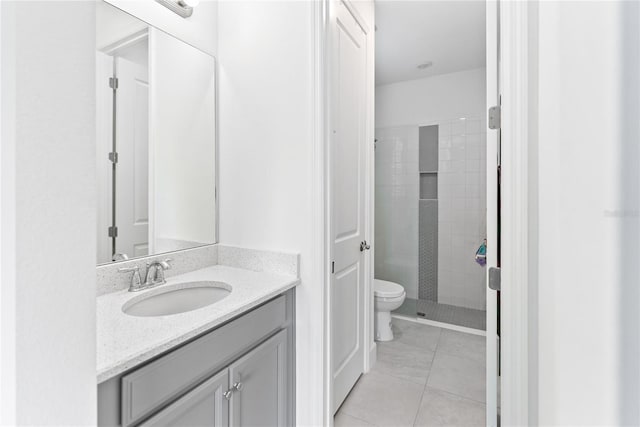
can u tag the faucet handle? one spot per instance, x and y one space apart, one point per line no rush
136 280
164 265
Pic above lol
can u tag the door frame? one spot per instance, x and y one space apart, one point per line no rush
519 203
518 315
368 314
492 197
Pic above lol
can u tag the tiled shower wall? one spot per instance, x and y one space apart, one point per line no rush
461 211
396 207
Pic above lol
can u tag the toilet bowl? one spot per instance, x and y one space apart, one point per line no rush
387 296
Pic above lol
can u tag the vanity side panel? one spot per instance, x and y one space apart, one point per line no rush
109 402
291 357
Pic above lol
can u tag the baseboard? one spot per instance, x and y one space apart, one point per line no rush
373 356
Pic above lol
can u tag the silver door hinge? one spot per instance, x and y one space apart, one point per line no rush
113 157
113 83
494 278
113 231
495 118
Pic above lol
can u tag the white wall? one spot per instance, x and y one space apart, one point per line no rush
271 161
455 102
265 124
265 151
588 212
48 213
428 100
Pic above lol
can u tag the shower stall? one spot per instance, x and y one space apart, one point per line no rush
430 218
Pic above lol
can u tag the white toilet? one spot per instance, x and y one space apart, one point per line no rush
387 296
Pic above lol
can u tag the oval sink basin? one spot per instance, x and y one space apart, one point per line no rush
177 298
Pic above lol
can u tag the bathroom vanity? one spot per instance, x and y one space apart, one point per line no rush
229 363
211 340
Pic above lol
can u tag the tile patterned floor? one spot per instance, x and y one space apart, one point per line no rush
426 376
444 313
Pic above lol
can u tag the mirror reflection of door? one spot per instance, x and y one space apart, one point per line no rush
156 152
132 131
126 61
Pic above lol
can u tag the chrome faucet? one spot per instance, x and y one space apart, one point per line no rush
155 272
153 277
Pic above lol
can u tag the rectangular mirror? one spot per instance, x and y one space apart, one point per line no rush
156 140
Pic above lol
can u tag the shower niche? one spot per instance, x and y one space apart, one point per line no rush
428 213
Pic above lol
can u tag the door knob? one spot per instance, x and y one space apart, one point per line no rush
227 394
364 245
237 386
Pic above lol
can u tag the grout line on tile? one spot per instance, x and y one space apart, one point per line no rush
439 389
458 396
437 344
404 378
426 383
415 418
352 416
461 356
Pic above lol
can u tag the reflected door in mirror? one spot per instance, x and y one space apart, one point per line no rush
156 149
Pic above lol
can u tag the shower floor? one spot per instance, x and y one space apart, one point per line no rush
444 313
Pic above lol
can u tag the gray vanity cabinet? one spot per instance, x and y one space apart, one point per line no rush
252 390
206 405
239 374
261 377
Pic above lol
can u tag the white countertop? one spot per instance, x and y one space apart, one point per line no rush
124 341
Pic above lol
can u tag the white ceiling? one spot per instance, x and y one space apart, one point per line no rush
451 34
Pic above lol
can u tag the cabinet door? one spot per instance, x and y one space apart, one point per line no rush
205 405
259 381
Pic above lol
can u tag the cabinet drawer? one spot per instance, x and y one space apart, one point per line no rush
165 379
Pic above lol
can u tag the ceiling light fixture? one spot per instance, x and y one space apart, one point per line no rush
183 8
425 65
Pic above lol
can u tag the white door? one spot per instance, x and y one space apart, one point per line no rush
132 143
493 208
347 202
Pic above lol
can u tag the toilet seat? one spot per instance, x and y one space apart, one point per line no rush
385 289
